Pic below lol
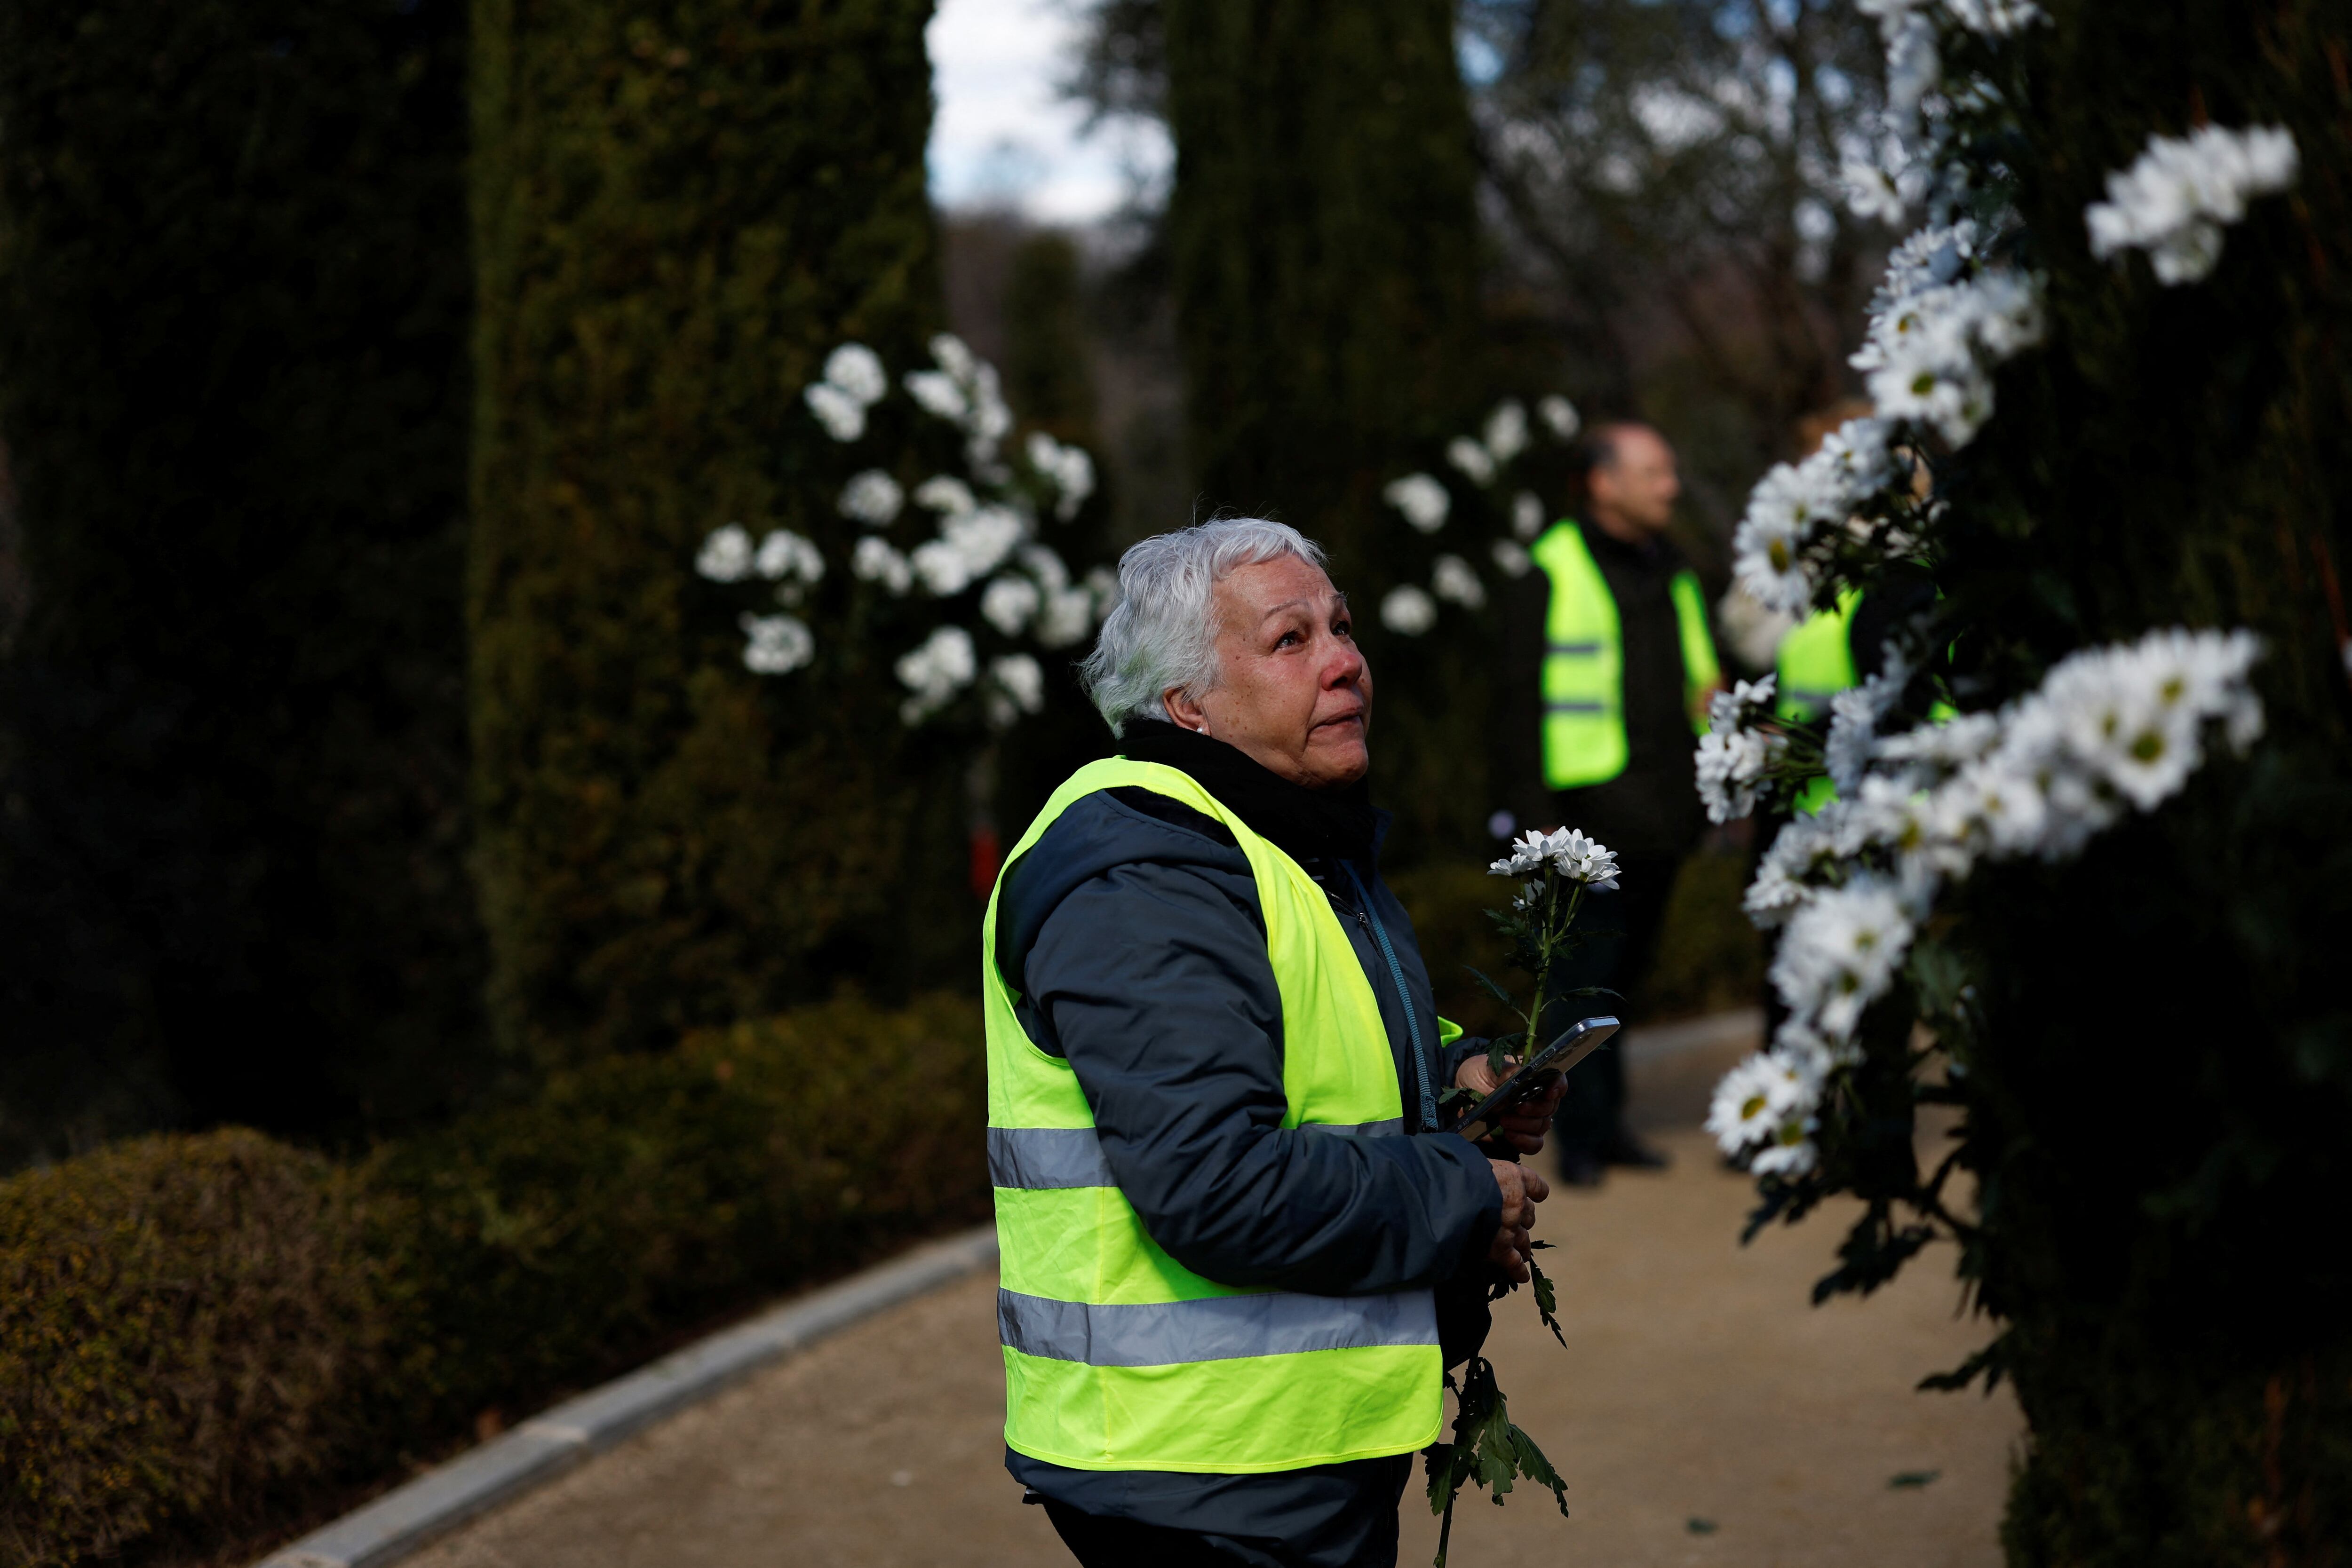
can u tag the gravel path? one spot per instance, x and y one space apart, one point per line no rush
1702 1414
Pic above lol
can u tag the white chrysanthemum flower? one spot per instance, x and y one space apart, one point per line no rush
1016 685
1990 804
989 419
1580 859
1730 710
786 555
1451 577
1768 550
857 371
1854 716
1856 459
843 416
1422 499
1871 194
1526 515
1505 435
970 545
726 555
1929 259
1939 748
943 665
1510 557
1745 1110
776 644
1914 66
1840 953
1068 616
1040 562
1790 1154
873 499
1008 602
1926 380
954 356
1560 416
1472 459
938 393
1528 852
945 493
1731 768
1069 469
2174 199
1408 610
876 561
1784 878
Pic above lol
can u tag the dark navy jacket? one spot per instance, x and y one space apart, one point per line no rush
1133 934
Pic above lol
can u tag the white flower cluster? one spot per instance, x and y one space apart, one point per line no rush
853 383
1734 756
1069 469
2172 202
1422 499
1930 350
1408 610
1566 850
1424 502
1944 318
963 391
982 537
1799 504
773 645
2109 730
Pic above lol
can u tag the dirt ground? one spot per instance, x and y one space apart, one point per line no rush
1703 1413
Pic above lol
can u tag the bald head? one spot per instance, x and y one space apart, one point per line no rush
1633 484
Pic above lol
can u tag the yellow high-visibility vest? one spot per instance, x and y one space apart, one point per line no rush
1584 661
1816 661
1117 1357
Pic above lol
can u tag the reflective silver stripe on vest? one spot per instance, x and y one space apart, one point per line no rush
1041 1158
1215 1328
1038 1157
1574 650
1575 707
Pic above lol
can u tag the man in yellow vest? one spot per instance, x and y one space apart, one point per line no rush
1238 1250
1626 666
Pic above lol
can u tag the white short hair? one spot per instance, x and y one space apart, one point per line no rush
1162 633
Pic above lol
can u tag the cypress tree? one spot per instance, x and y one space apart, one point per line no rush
679 211
233 329
1324 251
2163 1071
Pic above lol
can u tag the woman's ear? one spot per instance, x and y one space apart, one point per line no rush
1185 710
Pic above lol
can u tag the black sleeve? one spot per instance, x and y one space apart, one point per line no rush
1160 994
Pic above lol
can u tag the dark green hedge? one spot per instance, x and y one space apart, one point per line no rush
1325 252
2160 1076
680 210
203 1338
234 299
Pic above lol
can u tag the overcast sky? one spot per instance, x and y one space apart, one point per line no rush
1002 137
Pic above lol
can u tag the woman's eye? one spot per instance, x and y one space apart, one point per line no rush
1344 629
1286 639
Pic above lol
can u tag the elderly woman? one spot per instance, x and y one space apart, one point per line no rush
1238 1251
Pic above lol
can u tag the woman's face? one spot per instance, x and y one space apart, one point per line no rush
1292 692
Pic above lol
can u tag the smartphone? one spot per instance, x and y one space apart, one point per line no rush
1536 1075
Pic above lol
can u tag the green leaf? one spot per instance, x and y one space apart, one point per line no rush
1546 1296
1487 984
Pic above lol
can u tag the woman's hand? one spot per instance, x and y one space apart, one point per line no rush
1525 1127
1513 1248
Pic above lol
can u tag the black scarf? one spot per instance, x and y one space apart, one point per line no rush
1305 824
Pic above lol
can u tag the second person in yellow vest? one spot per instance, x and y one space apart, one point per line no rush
1626 662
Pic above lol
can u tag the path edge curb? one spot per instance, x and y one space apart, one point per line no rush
412 1515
